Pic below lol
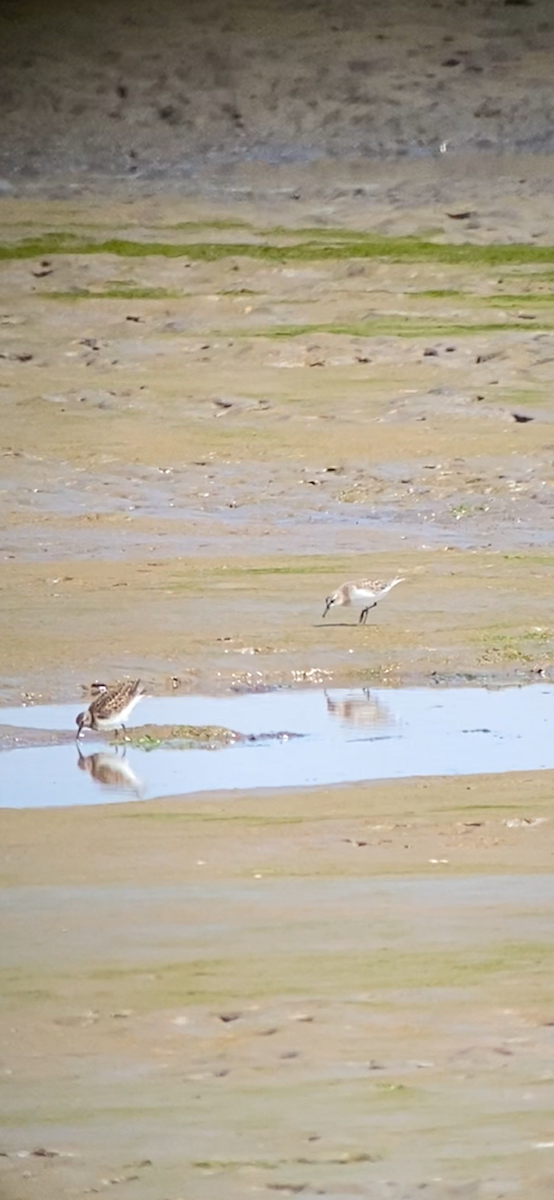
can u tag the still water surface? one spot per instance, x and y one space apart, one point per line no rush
347 736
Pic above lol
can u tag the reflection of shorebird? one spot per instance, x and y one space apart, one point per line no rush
110 771
359 710
366 592
112 708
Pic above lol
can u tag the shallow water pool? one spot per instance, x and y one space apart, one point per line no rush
347 736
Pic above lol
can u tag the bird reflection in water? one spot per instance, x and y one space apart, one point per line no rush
111 771
360 710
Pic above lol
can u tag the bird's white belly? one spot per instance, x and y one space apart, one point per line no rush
360 595
111 722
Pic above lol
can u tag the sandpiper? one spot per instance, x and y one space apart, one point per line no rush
111 708
366 592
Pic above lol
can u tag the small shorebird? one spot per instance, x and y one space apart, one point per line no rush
366 592
112 708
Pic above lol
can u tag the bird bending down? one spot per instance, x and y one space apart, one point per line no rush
366 592
112 708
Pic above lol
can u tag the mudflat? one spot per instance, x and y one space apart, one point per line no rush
212 416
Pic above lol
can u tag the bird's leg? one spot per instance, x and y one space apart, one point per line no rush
364 612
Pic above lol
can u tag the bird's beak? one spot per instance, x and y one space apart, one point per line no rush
328 604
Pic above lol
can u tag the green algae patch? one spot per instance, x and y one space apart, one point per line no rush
22 985
335 247
116 293
492 300
326 974
402 326
518 300
175 737
251 820
239 292
525 646
439 294
217 223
